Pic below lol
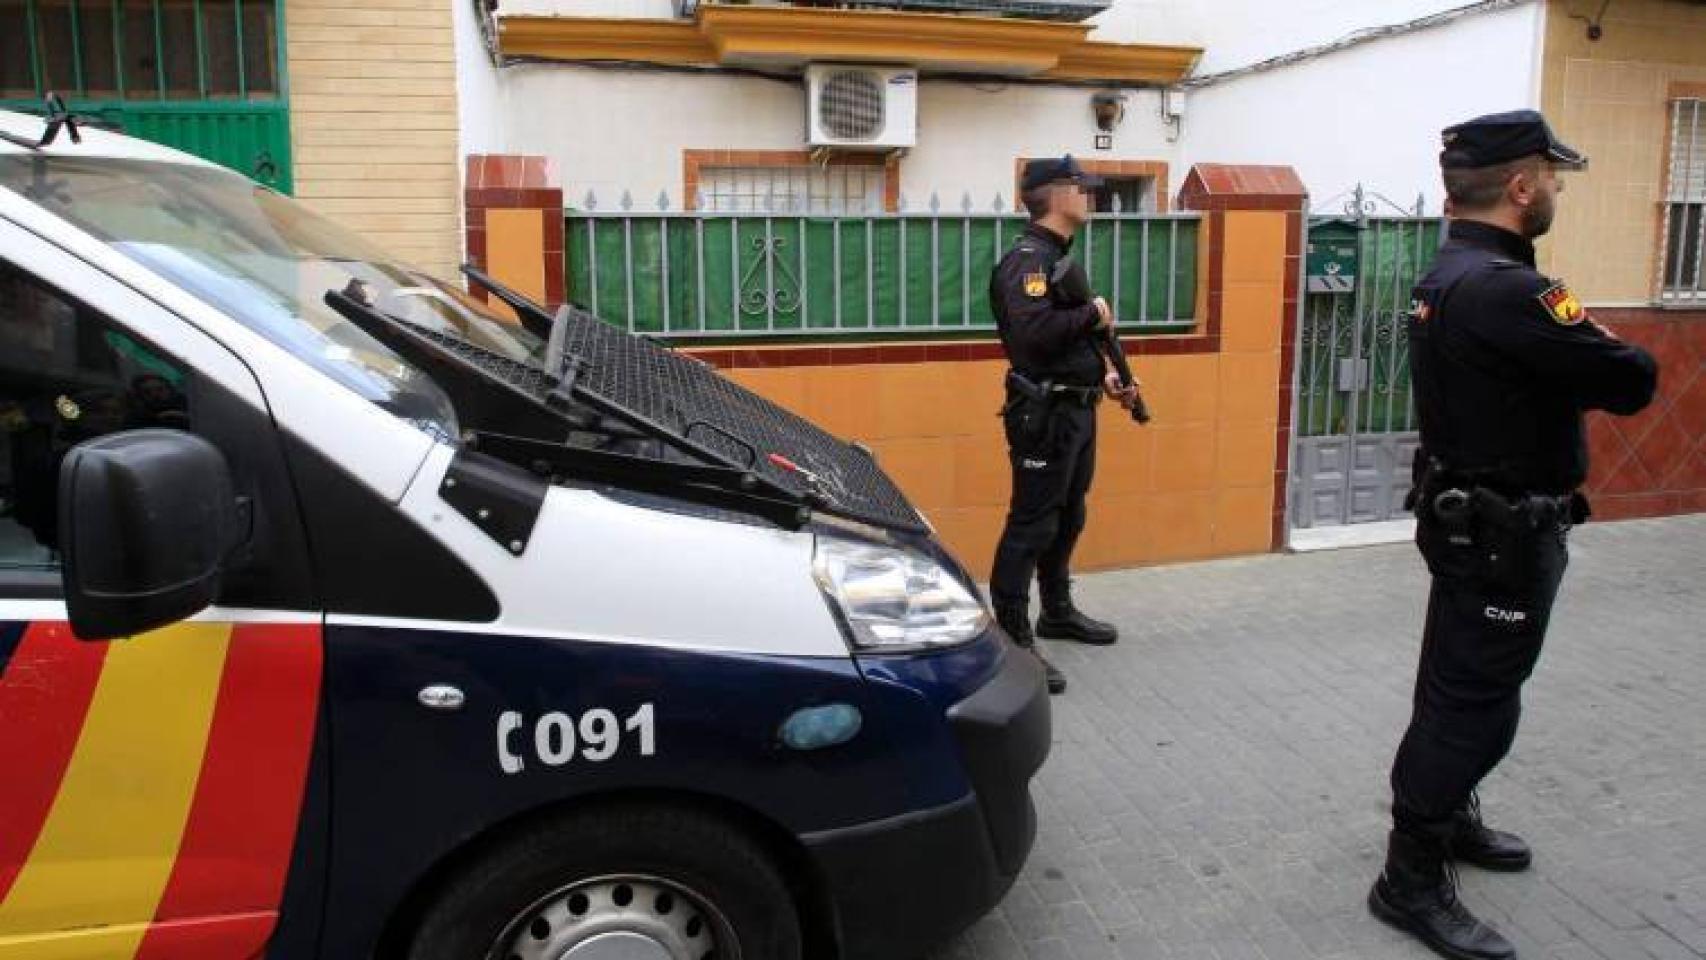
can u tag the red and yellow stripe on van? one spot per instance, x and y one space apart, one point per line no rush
150 789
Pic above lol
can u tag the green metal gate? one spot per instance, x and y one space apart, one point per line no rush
1356 419
203 76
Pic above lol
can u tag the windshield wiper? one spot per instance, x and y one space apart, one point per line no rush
58 117
534 318
520 398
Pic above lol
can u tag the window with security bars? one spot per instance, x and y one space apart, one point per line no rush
203 76
1121 194
835 189
1683 279
131 50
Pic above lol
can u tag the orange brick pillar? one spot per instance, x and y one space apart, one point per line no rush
1255 254
514 224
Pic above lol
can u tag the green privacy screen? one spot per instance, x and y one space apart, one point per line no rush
750 276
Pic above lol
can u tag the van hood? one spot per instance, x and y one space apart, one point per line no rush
692 402
688 419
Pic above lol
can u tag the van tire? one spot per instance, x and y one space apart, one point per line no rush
698 854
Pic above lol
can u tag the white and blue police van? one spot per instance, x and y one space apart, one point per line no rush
341 616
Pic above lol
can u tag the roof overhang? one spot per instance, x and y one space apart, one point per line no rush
788 38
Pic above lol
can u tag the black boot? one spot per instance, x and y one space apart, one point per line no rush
1063 621
1418 894
1475 843
1016 620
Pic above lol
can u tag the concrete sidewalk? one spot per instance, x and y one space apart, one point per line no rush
1218 784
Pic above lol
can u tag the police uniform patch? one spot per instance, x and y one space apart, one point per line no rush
1036 284
1562 304
1419 310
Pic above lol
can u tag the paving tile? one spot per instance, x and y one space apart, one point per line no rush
1218 789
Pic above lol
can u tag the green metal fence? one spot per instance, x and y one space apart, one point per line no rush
203 76
756 275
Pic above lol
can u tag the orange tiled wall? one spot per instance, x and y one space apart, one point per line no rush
1197 482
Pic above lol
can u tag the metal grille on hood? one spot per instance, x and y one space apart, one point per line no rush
649 383
696 402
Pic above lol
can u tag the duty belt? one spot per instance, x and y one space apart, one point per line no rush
1051 392
1456 500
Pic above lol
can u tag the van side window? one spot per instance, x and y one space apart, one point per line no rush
66 376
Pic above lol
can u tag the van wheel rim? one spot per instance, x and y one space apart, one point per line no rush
619 918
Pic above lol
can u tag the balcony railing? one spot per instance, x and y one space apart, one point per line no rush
1067 10
788 273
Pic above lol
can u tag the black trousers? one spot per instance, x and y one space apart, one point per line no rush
1482 640
1052 449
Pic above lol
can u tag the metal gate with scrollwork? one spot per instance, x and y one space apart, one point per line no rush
1356 422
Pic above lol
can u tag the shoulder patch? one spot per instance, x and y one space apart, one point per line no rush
1561 304
1420 310
1036 284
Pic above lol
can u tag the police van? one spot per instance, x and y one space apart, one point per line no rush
341 616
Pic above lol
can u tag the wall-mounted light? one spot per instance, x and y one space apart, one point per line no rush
1109 109
1596 23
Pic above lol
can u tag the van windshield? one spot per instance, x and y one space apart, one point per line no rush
267 261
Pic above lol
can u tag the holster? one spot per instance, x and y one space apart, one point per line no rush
1028 415
1466 529
1018 383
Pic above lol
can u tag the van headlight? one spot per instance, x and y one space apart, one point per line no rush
896 599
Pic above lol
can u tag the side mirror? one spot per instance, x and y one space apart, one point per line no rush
146 518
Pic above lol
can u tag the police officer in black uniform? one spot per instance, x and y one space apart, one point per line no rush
1057 378
1504 362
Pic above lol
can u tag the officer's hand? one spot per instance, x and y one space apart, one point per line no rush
1106 312
1126 396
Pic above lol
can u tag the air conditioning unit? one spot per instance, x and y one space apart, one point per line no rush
854 107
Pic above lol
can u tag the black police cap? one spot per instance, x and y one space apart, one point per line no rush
1041 173
1502 137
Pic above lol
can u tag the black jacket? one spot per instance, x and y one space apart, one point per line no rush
1504 361
1045 338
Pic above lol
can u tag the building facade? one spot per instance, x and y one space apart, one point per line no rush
631 96
351 107
655 160
1627 85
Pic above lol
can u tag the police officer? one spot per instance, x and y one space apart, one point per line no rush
1056 380
1504 362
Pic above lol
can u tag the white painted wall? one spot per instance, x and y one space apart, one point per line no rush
478 87
1234 33
970 134
1371 114
616 130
